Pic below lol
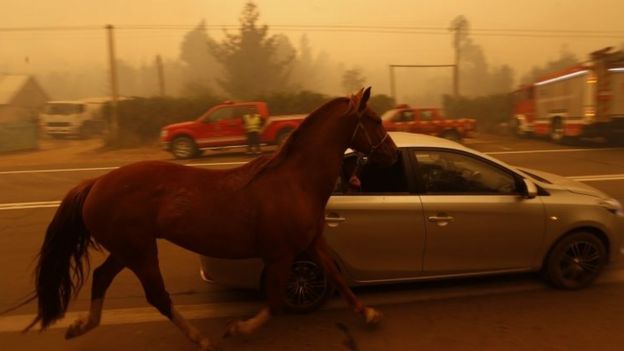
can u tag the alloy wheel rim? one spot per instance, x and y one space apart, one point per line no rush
307 284
580 261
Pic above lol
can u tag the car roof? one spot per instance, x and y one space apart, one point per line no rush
407 140
403 139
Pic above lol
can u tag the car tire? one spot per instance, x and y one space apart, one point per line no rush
87 130
557 133
575 261
452 135
308 288
184 147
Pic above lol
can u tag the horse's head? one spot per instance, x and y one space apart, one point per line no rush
369 136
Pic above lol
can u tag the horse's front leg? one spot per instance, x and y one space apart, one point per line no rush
321 251
275 281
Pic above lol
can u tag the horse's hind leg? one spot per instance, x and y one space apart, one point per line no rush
276 279
321 251
102 278
146 269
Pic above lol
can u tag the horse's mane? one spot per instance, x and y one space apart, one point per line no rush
312 119
260 164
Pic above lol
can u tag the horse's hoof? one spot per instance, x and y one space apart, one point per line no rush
206 345
75 329
372 316
231 329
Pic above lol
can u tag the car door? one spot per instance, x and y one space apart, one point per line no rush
377 232
477 217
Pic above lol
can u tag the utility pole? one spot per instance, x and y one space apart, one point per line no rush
161 75
392 87
459 25
114 122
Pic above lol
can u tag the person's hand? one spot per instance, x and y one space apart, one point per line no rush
354 182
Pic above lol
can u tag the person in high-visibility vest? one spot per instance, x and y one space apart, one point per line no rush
253 124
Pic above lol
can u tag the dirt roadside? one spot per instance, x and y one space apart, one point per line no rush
67 153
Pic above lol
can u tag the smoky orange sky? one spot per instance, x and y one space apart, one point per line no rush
36 51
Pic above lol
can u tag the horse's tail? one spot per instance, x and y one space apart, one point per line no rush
59 274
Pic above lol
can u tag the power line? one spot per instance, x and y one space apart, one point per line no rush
415 30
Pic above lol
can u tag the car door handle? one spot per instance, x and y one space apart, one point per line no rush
334 221
441 220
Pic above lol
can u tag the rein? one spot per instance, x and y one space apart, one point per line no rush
362 158
373 147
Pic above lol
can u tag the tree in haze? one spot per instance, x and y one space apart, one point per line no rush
353 80
254 63
501 80
200 67
476 77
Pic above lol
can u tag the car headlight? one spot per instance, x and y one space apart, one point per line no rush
163 133
613 206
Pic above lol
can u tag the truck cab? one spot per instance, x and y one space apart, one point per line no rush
71 118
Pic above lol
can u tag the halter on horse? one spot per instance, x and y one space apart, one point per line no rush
272 208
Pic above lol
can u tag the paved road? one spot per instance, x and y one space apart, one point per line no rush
522 310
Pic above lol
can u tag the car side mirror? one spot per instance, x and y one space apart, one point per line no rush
530 189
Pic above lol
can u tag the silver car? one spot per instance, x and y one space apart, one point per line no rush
444 210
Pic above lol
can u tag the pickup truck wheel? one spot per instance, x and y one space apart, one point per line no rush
557 133
183 148
452 135
87 130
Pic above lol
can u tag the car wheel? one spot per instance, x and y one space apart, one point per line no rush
556 131
575 261
308 288
87 130
452 135
183 147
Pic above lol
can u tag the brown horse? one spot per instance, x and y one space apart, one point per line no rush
272 208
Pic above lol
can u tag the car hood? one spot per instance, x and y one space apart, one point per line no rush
563 182
179 125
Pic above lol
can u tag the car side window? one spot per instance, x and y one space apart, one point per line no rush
407 116
220 114
371 179
443 172
426 115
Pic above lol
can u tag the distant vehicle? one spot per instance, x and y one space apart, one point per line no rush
427 121
444 210
81 118
222 127
585 100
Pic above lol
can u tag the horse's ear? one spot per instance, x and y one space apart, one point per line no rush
365 95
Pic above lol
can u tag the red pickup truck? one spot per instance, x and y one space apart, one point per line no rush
222 127
427 121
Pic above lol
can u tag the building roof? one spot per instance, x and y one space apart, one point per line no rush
10 85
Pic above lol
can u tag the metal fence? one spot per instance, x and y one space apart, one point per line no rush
17 136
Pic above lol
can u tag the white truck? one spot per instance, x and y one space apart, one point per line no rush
79 118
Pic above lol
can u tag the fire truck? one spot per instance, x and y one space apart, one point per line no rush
582 101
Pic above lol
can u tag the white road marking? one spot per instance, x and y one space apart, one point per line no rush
15 323
548 151
26 205
92 169
217 164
